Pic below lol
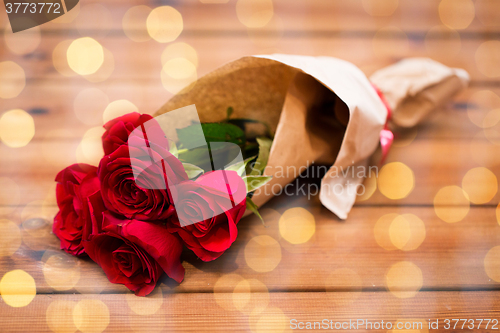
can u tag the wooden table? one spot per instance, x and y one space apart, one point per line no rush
371 267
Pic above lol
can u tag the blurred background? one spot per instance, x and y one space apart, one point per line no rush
428 223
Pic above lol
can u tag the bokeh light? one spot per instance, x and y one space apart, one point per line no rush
10 238
134 23
223 289
441 38
451 204
118 108
85 55
91 316
106 69
59 316
492 263
145 305
369 187
498 213
380 7
177 74
407 232
61 270
249 295
390 42
60 58
396 180
22 42
90 149
480 184
381 231
456 14
254 13
488 57
164 24
17 288
17 128
270 319
89 106
297 225
180 50
12 79
483 108
404 279
262 253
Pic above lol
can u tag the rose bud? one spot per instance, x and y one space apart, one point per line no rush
74 185
118 131
208 210
134 253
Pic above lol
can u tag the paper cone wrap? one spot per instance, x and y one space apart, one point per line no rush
321 110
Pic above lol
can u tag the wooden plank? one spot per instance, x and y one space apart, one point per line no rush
310 16
450 257
52 104
133 61
177 313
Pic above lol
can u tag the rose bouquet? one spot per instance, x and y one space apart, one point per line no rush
134 213
174 181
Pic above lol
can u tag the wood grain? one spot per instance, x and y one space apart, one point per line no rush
451 256
177 313
444 163
142 61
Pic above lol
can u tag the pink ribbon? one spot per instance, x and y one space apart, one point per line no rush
386 135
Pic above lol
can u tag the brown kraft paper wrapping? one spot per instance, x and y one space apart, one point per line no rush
320 110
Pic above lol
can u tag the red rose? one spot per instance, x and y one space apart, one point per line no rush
134 253
147 197
208 210
74 185
119 129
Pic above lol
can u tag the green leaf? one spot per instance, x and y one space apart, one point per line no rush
229 111
262 159
192 170
240 166
254 182
251 206
213 132
242 122
173 148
